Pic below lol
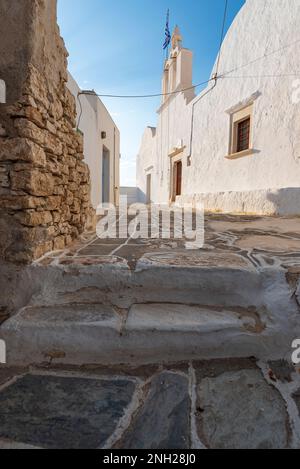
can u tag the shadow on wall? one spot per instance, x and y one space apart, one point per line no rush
142 197
134 195
285 201
280 202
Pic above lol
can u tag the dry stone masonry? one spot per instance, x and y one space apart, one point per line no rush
44 182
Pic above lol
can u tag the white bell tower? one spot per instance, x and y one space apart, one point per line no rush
178 67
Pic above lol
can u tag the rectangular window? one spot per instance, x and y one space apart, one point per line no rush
243 135
241 132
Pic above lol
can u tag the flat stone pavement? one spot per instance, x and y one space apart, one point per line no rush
229 240
232 403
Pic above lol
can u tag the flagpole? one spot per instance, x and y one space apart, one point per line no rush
167 54
167 34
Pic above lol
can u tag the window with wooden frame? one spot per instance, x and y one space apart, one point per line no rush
241 133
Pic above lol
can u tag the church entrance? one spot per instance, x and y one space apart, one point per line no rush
178 178
105 176
148 194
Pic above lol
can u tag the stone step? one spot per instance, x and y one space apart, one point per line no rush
206 284
146 333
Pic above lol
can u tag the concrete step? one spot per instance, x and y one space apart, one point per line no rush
169 308
210 281
145 333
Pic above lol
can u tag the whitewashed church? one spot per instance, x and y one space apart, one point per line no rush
236 146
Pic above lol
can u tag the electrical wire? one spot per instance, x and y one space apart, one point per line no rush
262 57
215 78
81 110
288 75
93 93
157 95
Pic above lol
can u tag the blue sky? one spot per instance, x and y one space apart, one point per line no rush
116 48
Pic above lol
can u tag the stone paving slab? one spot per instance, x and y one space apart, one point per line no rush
282 370
69 332
232 403
183 318
93 250
296 397
164 420
85 314
200 259
11 445
8 373
240 410
63 412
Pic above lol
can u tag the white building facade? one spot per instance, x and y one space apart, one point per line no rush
236 146
101 145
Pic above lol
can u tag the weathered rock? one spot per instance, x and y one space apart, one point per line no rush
22 149
296 397
239 410
38 234
56 217
63 413
19 202
38 250
59 243
4 177
33 218
281 370
34 182
163 420
31 113
3 132
42 137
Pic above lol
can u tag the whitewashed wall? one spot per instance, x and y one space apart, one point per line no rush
262 51
147 163
95 119
132 193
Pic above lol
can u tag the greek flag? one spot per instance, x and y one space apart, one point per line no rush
167 32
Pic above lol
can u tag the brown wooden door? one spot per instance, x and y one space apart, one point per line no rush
148 195
178 170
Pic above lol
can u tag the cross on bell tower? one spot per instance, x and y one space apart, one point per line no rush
176 38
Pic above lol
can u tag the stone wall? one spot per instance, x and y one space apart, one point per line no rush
44 182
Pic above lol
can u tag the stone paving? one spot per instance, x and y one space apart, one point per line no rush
136 307
229 240
233 403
